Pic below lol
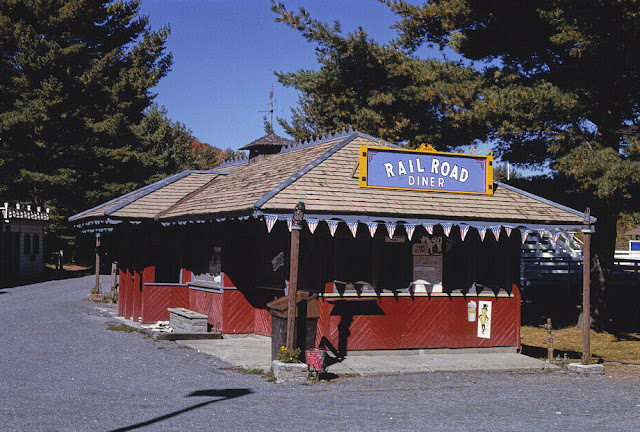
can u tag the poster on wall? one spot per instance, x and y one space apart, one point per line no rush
484 319
427 265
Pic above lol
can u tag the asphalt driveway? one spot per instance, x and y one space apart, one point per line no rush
62 370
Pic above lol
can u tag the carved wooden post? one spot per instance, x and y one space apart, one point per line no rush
296 226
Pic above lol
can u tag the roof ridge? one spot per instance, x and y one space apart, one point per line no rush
150 189
189 195
295 176
319 139
236 160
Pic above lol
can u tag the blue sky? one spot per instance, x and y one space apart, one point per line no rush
225 53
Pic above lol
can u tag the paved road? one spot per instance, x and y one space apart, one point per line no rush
61 370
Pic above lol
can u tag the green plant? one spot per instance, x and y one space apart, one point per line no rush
286 355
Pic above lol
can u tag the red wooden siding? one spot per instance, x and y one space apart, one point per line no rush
121 279
137 295
239 314
262 320
210 304
128 298
156 299
418 322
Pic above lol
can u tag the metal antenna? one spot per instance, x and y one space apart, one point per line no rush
270 107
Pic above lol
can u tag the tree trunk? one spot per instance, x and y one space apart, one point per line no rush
603 251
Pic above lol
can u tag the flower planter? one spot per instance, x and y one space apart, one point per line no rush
315 359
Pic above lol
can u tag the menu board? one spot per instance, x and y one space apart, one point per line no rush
427 273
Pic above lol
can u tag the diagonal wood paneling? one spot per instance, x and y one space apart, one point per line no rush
121 294
262 322
419 322
210 304
157 299
239 315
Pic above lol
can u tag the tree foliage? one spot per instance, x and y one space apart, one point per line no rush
551 83
379 89
174 146
583 57
75 76
77 123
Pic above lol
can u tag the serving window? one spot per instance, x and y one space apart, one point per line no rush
371 265
425 264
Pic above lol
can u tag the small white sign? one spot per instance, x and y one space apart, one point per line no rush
484 319
471 311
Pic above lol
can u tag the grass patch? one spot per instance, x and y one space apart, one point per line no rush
255 371
621 352
120 327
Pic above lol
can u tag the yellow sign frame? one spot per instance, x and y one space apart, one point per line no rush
363 161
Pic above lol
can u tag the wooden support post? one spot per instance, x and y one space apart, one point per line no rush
296 226
586 290
97 287
586 297
549 342
114 280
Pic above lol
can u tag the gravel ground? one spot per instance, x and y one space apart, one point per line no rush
62 370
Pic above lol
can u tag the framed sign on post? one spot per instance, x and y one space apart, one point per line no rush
425 169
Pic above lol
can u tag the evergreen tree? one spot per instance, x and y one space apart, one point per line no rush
379 89
553 84
75 76
173 145
587 54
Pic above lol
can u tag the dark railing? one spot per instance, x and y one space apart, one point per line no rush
565 270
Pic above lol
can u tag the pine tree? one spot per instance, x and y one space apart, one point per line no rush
552 84
75 77
585 55
379 89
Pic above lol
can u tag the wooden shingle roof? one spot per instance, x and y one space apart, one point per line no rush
332 187
322 174
249 183
148 202
635 231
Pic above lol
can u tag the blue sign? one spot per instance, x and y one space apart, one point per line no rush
425 169
634 245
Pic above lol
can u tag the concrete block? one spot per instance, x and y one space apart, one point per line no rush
586 370
296 372
187 321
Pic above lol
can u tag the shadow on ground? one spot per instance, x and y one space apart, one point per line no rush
541 353
49 274
220 394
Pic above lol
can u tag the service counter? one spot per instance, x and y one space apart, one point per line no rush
370 321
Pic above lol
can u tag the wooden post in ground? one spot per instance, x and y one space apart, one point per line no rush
296 226
586 289
549 342
97 287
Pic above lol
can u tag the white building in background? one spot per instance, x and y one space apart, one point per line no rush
21 242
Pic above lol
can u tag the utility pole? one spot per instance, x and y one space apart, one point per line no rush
587 230
296 226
